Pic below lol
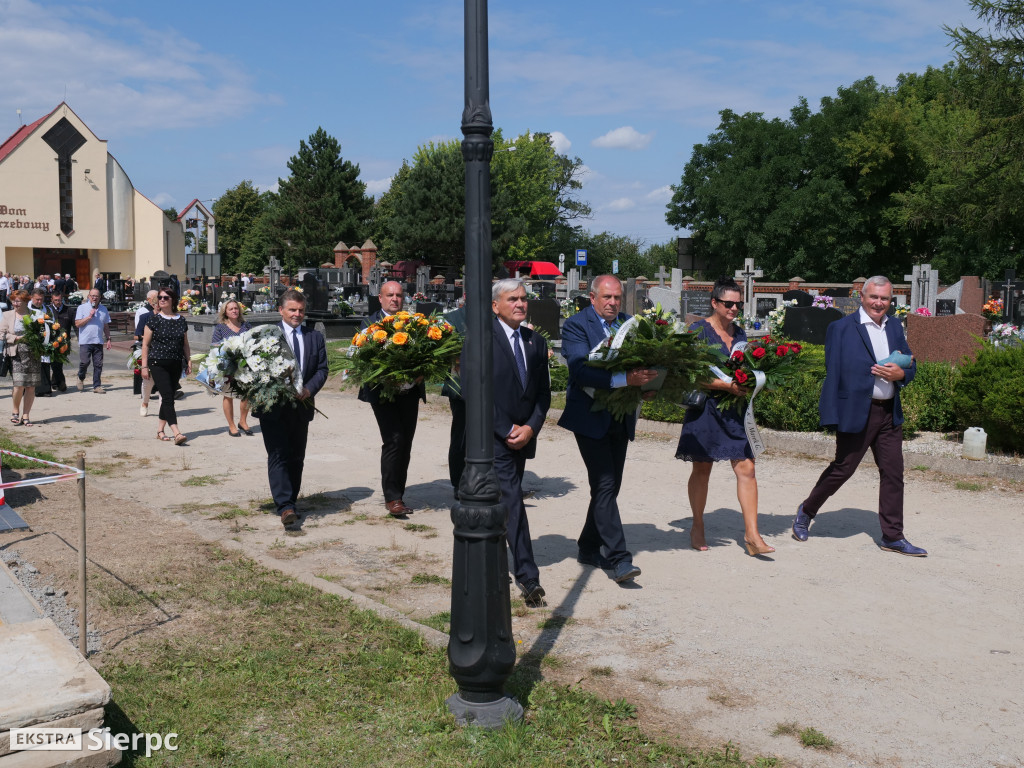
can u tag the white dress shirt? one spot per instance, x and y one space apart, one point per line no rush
883 390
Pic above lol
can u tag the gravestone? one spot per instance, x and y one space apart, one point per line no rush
315 292
544 314
696 303
836 293
545 289
661 274
847 305
422 279
924 287
1013 304
630 303
952 293
747 275
945 307
802 298
376 280
764 305
809 324
429 307
666 297
677 280
582 301
945 339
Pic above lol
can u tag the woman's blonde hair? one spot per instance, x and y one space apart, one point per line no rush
222 313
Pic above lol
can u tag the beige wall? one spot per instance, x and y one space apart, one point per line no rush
120 229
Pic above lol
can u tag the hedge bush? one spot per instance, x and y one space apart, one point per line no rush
990 395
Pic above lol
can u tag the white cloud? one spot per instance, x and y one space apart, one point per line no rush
163 199
621 204
659 195
560 142
378 187
626 137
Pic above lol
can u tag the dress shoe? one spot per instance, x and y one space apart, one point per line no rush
533 593
62 387
903 547
626 571
397 508
288 517
801 524
593 558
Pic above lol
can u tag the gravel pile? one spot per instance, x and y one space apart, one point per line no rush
53 601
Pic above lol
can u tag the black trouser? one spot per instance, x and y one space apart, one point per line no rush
457 441
605 459
285 430
509 467
396 421
165 375
53 378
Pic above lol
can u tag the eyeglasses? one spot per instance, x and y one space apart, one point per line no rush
730 304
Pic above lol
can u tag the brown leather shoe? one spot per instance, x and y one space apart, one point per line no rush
397 508
288 517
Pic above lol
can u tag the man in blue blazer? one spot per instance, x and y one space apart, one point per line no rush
286 427
860 398
601 439
522 396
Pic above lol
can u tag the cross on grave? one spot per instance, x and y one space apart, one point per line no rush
376 277
661 275
924 287
588 276
1009 288
747 274
274 273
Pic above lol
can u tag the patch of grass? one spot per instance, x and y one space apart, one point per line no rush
601 671
552 661
439 621
920 468
786 729
278 673
417 527
964 485
812 737
102 469
201 480
555 622
231 514
430 578
122 455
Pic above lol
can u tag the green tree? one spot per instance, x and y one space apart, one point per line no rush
236 213
320 203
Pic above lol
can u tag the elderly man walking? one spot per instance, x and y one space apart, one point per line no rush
93 323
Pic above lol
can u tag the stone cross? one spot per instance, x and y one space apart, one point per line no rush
1009 288
677 279
588 276
747 274
376 277
924 287
422 279
661 275
274 272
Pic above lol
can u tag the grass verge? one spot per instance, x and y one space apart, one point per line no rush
276 673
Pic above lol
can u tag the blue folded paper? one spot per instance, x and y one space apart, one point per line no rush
902 359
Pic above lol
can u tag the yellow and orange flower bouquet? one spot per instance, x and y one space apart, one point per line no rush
395 352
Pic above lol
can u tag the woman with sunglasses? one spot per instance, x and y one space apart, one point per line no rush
164 347
711 435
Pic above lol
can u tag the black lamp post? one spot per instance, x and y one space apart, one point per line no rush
481 651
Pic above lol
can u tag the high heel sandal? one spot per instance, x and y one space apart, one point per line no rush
754 550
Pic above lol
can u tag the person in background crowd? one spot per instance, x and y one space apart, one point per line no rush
70 285
53 373
231 324
25 369
59 285
710 434
164 346
141 319
37 306
93 323
452 389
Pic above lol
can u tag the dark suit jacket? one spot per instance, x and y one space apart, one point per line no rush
846 394
580 334
514 405
314 368
372 394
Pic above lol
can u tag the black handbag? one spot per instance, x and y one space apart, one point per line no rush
6 365
695 398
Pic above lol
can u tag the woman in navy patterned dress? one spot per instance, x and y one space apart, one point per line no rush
711 435
232 324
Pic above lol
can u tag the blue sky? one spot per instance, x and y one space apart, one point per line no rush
194 98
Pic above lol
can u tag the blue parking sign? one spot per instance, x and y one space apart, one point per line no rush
581 257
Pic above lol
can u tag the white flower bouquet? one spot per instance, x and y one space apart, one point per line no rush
257 366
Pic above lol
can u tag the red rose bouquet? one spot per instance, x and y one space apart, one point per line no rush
779 361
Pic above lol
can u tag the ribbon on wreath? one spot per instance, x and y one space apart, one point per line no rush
609 348
749 425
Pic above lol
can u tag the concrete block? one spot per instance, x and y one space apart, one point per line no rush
82 759
93 718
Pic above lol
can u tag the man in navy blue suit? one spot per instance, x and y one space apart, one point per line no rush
522 396
861 400
601 439
286 427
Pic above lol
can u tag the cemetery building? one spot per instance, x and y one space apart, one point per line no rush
67 206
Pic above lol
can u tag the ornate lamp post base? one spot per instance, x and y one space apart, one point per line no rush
493 715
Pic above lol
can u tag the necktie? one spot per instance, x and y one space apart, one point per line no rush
295 348
517 352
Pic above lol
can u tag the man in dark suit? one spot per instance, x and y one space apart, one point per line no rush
861 400
452 389
285 428
602 440
522 396
396 419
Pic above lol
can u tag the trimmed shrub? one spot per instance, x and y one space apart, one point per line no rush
559 377
990 395
928 399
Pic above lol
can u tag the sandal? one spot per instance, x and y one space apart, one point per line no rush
26 422
15 418
162 436
180 439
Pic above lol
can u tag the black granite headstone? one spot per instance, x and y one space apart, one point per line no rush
544 315
696 303
945 307
429 307
764 306
836 293
808 324
847 305
582 302
544 289
802 298
315 292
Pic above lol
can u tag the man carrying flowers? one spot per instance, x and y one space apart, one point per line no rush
396 416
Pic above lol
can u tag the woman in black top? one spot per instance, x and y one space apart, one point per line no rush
164 347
